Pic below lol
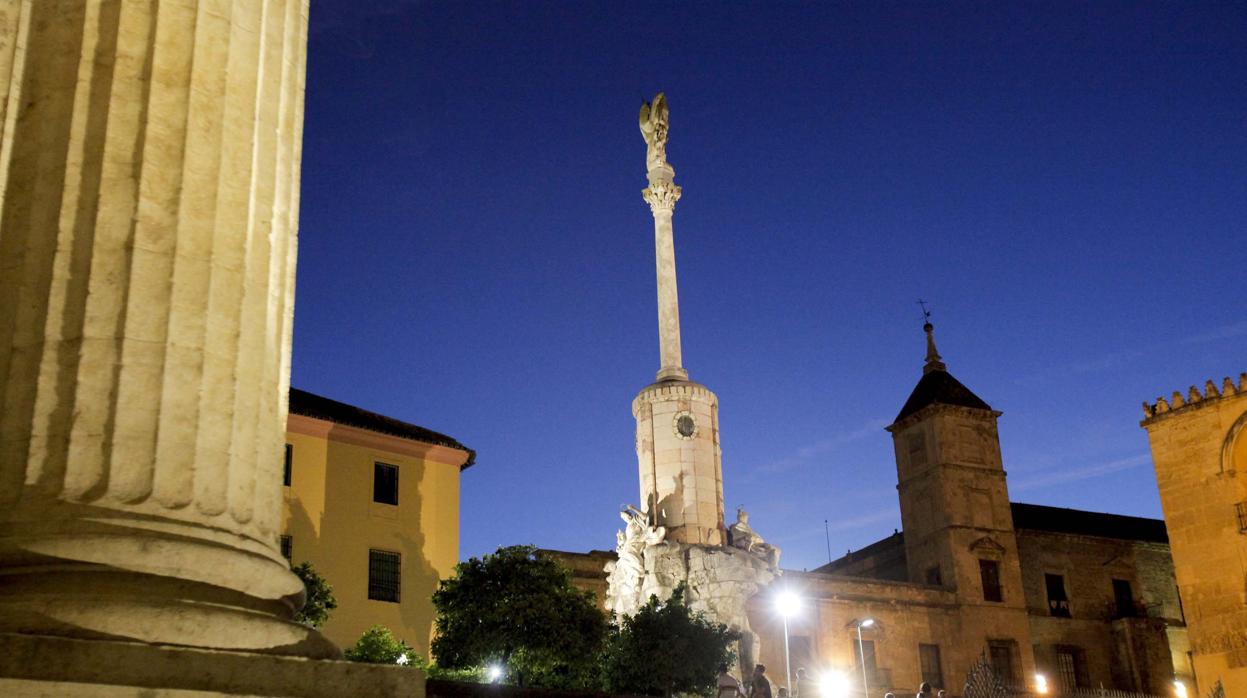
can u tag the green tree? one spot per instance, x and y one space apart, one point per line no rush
666 648
517 608
320 599
379 646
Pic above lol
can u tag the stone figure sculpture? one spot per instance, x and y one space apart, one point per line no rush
742 536
626 574
654 129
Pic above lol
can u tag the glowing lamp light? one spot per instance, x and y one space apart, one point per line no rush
788 604
1179 689
834 684
866 623
493 673
1041 684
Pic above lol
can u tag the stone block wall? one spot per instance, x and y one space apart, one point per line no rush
1199 445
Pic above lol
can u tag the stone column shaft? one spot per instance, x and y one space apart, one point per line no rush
662 195
149 166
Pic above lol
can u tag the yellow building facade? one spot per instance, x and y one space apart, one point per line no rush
373 504
1199 444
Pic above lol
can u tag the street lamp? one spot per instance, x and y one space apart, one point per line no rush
788 604
864 623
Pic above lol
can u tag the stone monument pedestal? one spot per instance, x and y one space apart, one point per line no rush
55 667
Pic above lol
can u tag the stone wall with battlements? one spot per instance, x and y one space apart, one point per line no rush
1199 445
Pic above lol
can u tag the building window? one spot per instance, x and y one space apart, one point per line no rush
917 444
866 648
1001 654
1123 600
1058 603
383 575
989 573
285 478
929 660
385 483
1071 669
933 576
1240 510
286 543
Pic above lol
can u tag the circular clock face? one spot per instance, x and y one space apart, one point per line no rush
685 426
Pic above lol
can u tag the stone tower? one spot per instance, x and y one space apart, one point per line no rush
1199 443
677 421
955 510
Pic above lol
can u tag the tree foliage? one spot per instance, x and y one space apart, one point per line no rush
517 608
379 646
666 648
320 599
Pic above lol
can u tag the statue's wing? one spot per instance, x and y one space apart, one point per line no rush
647 126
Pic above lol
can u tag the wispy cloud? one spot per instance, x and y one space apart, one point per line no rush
840 525
807 454
1234 329
1058 477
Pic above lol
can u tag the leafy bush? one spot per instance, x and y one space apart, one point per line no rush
379 646
320 600
517 608
666 649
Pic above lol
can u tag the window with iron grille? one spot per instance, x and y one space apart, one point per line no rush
383 575
989 574
385 483
929 660
1240 510
1071 668
1058 603
285 478
1001 655
286 545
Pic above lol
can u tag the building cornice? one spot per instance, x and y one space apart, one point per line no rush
341 433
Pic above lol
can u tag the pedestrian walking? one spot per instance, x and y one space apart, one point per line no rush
729 687
760 686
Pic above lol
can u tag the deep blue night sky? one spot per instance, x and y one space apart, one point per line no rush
1064 183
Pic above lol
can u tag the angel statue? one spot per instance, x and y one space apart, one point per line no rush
654 128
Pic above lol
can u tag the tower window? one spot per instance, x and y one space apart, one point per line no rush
929 660
989 573
285 478
384 577
385 483
933 576
917 446
1123 599
1058 603
287 544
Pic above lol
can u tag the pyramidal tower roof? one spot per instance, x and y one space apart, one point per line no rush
937 386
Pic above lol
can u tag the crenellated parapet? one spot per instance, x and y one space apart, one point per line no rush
1193 398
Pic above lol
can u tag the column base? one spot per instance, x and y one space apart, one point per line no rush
672 373
57 667
124 577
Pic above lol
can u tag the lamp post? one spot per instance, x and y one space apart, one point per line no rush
788 603
861 652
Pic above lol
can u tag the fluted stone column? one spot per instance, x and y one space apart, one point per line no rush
149 168
661 195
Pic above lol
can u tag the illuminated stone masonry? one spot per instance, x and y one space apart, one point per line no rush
1199 449
678 535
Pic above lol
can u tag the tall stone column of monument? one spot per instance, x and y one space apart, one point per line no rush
149 168
677 420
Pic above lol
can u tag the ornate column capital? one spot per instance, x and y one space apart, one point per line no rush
661 195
